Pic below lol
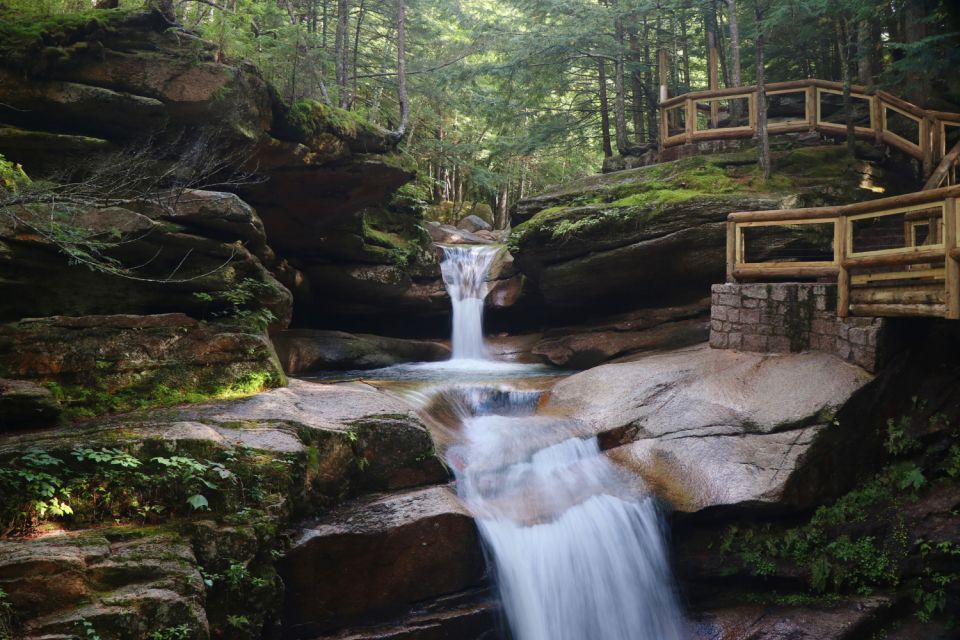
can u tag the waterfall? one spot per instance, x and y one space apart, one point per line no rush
576 544
465 269
576 552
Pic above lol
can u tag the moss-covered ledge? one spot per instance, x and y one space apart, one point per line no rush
109 364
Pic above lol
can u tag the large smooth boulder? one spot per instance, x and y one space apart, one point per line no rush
362 438
657 234
711 428
449 234
306 350
474 223
377 558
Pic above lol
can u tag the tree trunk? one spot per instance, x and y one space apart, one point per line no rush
636 87
864 52
502 217
604 108
397 134
685 44
844 46
763 136
356 46
341 51
652 131
734 43
619 102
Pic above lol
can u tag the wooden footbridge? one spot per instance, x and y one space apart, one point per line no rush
896 256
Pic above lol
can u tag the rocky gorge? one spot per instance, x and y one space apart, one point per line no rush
196 440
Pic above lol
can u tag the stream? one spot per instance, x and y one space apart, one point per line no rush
576 545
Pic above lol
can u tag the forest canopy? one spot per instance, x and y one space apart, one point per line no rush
509 96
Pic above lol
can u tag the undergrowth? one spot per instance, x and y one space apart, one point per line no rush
147 483
862 543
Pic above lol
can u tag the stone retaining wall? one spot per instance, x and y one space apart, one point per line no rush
792 317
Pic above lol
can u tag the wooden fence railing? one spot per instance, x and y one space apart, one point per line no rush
897 256
810 105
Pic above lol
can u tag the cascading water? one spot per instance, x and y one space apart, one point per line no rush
576 544
465 269
577 554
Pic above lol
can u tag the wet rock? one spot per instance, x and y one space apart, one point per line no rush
474 223
26 404
304 350
470 615
448 234
378 557
845 621
643 330
714 427
362 437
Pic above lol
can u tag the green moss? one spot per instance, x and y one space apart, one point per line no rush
623 201
160 389
310 118
35 43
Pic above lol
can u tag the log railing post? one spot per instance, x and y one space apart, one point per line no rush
840 232
691 119
950 244
811 106
732 232
936 141
926 147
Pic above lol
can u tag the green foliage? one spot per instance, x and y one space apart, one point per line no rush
930 589
6 617
832 555
11 175
88 630
239 304
92 485
180 632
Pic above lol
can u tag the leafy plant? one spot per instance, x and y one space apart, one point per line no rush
6 617
239 304
180 632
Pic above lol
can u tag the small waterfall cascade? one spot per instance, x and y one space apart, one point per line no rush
576 544
465 269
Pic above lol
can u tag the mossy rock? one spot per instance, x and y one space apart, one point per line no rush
323 126
638 235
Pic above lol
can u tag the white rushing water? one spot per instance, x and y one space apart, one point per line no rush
465 269
576 544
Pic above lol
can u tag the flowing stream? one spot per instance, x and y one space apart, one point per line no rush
576 544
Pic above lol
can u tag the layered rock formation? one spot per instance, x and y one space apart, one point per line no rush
656 235
258 465
320 178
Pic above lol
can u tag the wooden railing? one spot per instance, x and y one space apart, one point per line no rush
897 256
810 105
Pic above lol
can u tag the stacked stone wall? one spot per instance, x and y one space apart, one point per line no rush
792 317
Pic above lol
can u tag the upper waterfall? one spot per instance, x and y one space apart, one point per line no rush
465 269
